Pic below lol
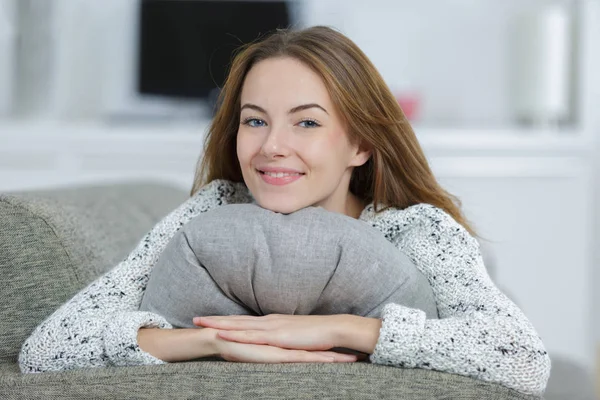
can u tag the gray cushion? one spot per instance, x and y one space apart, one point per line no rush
243 259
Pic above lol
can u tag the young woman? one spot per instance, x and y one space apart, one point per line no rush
306 120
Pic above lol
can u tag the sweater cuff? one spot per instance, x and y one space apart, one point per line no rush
399 337
120 337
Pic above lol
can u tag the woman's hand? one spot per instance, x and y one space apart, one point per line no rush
298 332
258 353
173 345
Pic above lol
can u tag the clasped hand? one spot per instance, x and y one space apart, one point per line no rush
278 338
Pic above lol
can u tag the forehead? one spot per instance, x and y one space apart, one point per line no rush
283 82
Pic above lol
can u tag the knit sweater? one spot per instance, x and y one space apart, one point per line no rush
480 333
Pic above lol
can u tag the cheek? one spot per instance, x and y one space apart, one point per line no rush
338 141
332 150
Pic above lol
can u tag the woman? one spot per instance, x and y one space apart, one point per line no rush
306 120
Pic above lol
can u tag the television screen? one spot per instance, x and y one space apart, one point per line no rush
185 47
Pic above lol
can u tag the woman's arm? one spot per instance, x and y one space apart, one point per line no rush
99 326
173 345
480 333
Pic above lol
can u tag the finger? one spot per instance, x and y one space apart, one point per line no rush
197 320
268 317
233 317
303 356
250 337
230 323
339 357
226 323
269 354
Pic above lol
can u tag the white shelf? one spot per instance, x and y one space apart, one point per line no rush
505 140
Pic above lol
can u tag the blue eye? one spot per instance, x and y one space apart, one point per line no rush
254 122
309 123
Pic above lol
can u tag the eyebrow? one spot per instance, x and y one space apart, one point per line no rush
292 111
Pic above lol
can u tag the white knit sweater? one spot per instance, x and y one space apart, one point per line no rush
480 333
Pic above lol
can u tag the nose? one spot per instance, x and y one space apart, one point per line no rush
276 143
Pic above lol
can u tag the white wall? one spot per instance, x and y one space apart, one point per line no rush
457 53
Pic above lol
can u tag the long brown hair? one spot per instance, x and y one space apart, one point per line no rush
396 175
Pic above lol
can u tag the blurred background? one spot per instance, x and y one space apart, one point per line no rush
503 96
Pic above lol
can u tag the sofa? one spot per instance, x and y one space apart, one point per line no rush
54 242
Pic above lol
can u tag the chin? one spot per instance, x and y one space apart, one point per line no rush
280 205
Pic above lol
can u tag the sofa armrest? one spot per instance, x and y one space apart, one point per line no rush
53 243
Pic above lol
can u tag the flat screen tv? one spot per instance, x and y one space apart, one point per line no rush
185 47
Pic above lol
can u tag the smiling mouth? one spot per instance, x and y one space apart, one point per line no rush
280 174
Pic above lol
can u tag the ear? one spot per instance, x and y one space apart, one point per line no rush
361 156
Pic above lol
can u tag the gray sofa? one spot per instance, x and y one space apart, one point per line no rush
53 243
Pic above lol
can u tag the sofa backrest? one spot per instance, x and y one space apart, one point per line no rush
53 243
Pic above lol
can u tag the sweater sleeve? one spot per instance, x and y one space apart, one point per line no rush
480 333
99 325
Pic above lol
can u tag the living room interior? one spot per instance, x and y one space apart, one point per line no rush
503 97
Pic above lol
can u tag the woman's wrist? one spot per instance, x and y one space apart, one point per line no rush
358 333
173 345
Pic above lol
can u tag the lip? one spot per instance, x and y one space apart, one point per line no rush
279 169
278 181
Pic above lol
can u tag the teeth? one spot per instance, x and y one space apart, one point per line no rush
281 174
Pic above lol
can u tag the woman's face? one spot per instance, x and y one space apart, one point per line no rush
292 145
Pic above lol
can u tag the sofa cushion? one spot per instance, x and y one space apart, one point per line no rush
225 380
